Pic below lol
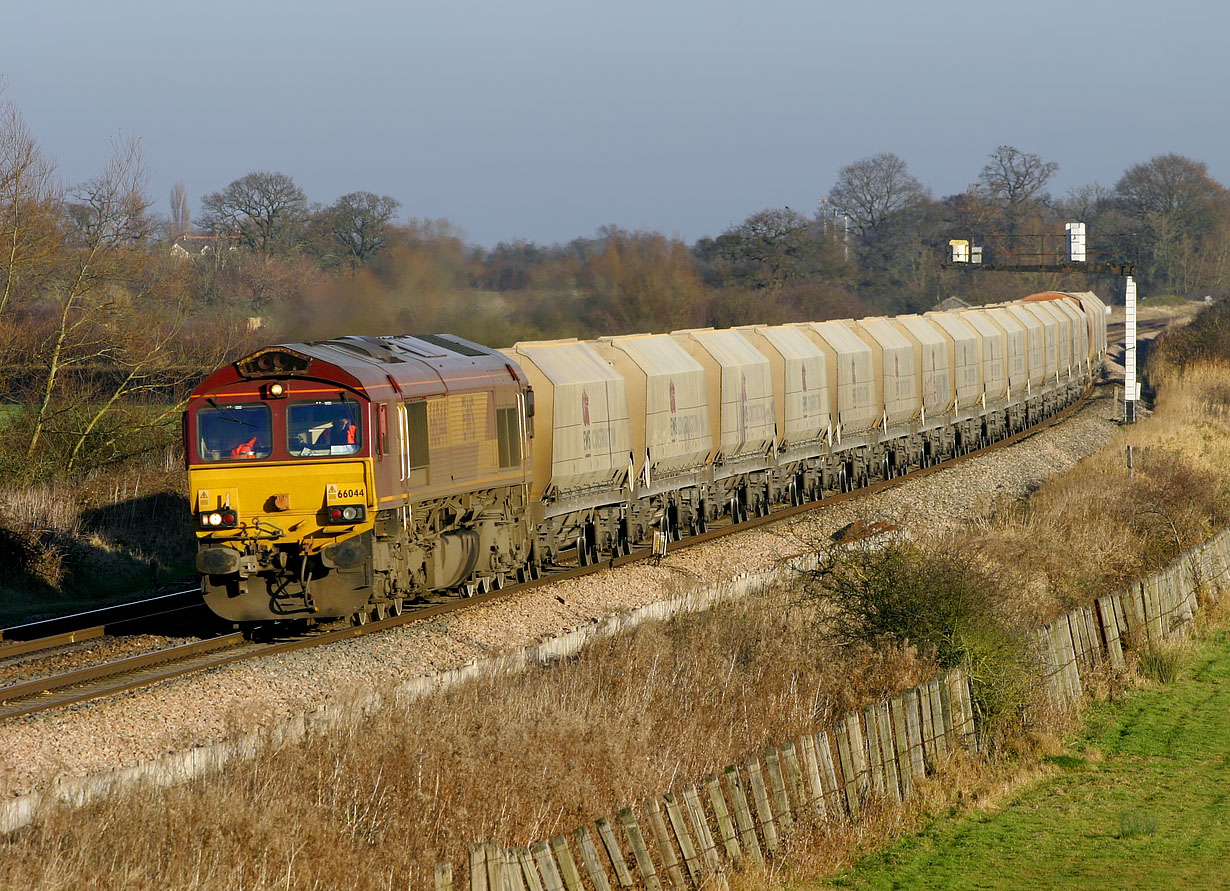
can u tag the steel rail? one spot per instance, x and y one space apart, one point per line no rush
105 616
190 658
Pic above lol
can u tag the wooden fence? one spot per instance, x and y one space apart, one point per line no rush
686 837
1151 610
742 816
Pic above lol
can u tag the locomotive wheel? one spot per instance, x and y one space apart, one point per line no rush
360 618
380 612
396 606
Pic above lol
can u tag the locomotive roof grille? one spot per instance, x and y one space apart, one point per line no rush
454 346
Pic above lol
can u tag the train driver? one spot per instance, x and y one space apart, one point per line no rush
342 432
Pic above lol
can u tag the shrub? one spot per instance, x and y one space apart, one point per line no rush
945 603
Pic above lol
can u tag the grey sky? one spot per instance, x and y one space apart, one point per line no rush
544 119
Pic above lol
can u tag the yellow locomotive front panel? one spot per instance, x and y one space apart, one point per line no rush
283 500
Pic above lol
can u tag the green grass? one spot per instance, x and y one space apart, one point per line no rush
1166 300
1143 802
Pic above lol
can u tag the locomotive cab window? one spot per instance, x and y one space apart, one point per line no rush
323 428
241 432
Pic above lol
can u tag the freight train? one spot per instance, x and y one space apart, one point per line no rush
350 477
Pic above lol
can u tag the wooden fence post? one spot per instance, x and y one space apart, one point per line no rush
828 774
478 867
875 758
928 726
947 725
743 817
811 772
684 838
1091 633
764 811
510 870
1110 629
546 865
528 870
901 744
884 728
913 729
567 865
593 863
607 833
700 825
726 828
640 852
666 851
794 778
845 758
777 782
443 878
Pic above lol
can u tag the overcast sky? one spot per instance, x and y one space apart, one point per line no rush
544 120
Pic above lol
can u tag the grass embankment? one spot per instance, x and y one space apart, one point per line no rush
1139 801
101 536
517 757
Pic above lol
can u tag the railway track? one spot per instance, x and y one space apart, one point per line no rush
122 675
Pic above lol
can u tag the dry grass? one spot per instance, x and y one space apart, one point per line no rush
1091 530
73 542
520 757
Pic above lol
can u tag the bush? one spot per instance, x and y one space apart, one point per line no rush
945 604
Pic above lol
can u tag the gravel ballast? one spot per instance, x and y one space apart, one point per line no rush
199 709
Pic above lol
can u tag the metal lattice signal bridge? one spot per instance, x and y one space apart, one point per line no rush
1061 253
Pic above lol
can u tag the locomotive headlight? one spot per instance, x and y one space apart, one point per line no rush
220 519
276 390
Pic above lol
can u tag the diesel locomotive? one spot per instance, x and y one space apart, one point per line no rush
349 477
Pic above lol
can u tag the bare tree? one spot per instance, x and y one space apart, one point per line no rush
181 216
108 228
358 224
874 190
1085 202
1170 186
266 210
770 248
29 206
1013 178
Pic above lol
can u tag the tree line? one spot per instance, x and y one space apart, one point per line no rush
104 325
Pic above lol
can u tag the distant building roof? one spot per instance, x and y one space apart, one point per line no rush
200 243
948 304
